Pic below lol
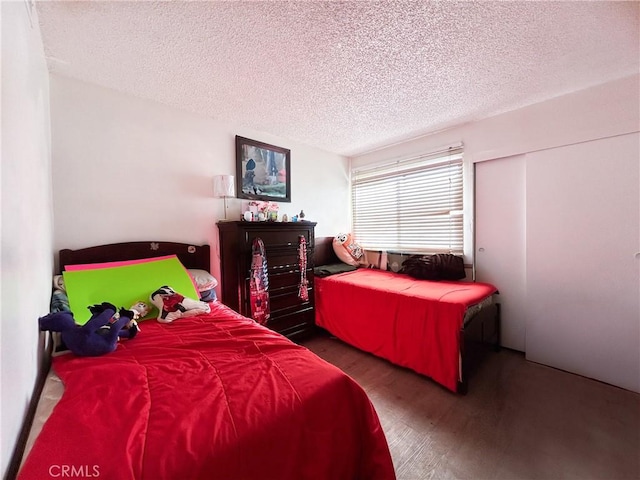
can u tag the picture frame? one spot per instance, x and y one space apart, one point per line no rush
263 171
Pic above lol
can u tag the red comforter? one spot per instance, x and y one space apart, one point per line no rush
412 323
208 397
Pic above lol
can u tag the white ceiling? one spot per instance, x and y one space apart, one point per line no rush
346 77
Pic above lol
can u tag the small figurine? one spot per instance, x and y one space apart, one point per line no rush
285 218
301 215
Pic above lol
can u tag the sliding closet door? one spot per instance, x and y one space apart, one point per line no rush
583 276
500 240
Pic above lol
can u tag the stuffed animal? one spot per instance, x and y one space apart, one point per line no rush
101 332
131 329
171 305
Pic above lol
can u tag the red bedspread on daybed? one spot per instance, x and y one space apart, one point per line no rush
412 323
209 397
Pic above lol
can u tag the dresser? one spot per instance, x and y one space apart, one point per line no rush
290 316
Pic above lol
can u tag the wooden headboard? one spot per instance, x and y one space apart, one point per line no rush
191 256
323 253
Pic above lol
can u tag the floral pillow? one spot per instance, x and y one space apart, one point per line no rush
205 284
202 279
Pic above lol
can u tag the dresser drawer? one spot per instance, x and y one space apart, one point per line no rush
301 320
282 262
287 279
273 237
286 298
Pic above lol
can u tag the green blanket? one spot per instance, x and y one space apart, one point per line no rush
125 285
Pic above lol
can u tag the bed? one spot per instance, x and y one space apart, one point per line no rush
440 329
208 396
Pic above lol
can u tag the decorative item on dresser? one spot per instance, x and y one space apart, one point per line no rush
290 314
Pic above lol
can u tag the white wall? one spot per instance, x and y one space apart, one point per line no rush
27 260
128 169
543 132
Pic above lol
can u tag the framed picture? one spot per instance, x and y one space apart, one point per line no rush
263 171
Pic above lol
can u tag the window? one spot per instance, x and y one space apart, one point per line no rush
411 205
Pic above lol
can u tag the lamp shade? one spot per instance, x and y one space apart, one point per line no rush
223 186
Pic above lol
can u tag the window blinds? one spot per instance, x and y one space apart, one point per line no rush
412 205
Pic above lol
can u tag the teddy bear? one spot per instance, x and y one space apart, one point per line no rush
171 305
100 334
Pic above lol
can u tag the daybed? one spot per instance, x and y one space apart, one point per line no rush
210 396
440 329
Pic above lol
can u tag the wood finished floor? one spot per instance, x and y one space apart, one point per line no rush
520 420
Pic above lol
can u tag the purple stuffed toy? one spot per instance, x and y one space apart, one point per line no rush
96 337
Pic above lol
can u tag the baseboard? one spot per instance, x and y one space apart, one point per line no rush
18 451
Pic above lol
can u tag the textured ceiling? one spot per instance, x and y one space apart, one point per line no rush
346 77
